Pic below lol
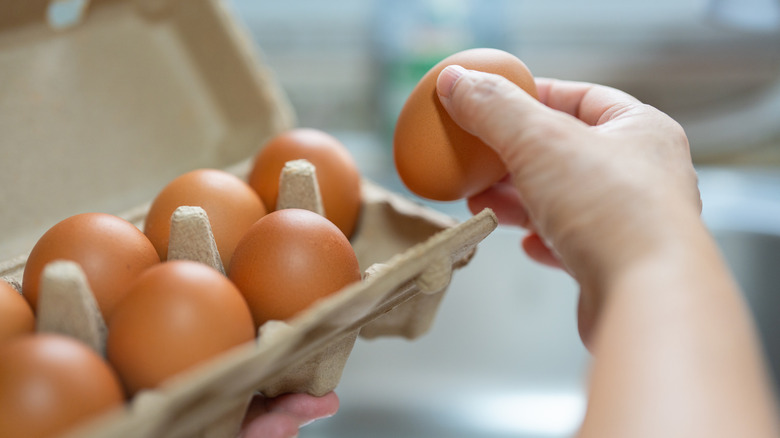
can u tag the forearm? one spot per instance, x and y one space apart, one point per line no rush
675 352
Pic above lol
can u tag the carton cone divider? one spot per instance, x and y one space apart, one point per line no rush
67 305
298 187
191 238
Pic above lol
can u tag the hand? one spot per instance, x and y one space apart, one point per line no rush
594 175
282 416
606 187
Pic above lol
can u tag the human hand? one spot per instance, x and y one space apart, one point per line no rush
598 178
282 416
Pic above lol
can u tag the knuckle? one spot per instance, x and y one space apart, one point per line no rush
479 98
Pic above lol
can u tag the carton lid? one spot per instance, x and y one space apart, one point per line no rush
99 116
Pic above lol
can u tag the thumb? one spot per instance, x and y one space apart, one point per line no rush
500 113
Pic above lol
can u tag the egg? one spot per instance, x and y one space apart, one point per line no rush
434 157
111 251
16 316
290 259
50 384
230 203
337 173
176 315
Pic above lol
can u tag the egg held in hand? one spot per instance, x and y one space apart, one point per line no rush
231 205
50 384
290 259
337 173
111 251
436 158
175 316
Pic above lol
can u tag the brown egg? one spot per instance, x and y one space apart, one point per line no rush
231 205
176 315
337 173
434 157
288 260
52 383
16 316
111 251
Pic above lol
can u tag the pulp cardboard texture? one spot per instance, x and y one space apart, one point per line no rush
101 115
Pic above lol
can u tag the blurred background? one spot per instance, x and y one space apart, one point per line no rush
711 64
503 357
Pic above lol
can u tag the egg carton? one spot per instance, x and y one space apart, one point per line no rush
180 82
397 297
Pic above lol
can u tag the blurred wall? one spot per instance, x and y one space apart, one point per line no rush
713 65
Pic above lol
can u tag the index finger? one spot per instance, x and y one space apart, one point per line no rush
302 406
593 104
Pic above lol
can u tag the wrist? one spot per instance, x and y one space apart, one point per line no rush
656 259
673 234
679 252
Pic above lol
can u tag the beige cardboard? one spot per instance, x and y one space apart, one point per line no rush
102 115
67 306
191 238
298 187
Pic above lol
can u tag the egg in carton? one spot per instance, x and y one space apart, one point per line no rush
407 251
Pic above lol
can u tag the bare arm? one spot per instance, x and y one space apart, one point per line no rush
606 188
675 350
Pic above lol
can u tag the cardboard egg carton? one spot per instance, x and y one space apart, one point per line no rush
305 354
100 115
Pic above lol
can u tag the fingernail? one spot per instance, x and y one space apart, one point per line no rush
447 79
306 423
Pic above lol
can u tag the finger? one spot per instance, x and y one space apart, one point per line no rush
591 103
505 202
534 246
305 406
502 115
271 425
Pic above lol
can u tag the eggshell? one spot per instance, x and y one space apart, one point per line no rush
337 174
16 316
230 203
288 260
111 251
176 315
434 157
51 383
